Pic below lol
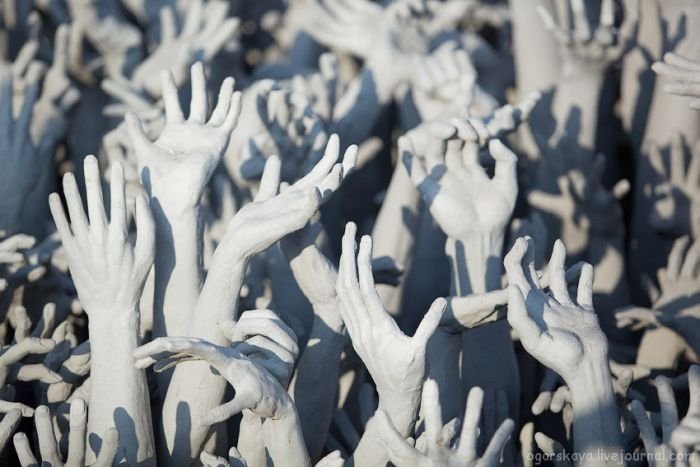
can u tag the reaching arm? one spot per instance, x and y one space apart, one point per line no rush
109 275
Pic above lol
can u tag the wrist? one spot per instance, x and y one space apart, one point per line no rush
402 407
596 420
113 323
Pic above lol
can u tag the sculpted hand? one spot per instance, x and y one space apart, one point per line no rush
584 49
177 166
461 196
679 438
271 216
18 155
264 338
109 273
684 75
395 361
292 130
48 447
256 389
560 333
205 30
442 449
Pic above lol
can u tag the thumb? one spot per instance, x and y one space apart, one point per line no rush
430 321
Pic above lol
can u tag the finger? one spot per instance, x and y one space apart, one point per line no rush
331 182
555 269
274 329
108 449
350 160
548 445
498 442
218 38
550 25
223 412
430 406
675 258
223 102
7 407
520 320
505 174
682 88
199 348
198 104
513 263
234 111
270 180
144 248
8 425
469 434
676 73
607 14
582 30
694 390
430 322
646 429
59 218
561 396
353 310
30 345
48 448
76 435
93 191
171 101
193 19
321 170
24 451
34 372
117 199
366 276
667 404
78 219
167 25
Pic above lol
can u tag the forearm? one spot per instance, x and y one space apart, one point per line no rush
113 374
178 269
596 419
284 442
194 389
394 232
476 263
315 383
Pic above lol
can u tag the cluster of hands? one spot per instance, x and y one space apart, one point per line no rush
345 232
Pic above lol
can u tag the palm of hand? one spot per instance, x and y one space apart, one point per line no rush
187 153
466 203
393 355
570 333
106 275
